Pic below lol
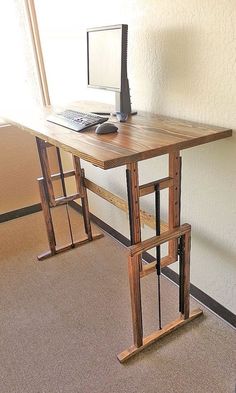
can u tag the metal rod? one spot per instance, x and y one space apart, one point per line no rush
64 192
181 274
180 180
129 193
180 246
158 249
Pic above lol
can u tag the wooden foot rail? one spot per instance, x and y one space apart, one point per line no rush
157 335
70 246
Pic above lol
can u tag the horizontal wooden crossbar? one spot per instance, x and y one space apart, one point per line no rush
117 201
151 267
57 176
67 247
154 241
62 200
148 188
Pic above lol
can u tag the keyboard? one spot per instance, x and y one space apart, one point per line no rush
76 121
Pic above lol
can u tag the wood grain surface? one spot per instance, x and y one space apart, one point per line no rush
143 136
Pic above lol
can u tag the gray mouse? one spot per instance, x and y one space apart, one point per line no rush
106 128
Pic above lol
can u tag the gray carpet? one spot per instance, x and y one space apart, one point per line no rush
64 320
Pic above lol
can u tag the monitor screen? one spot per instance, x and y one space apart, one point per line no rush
105 57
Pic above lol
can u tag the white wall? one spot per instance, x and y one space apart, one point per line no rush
182 63
20 168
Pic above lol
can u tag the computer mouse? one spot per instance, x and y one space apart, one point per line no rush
106 128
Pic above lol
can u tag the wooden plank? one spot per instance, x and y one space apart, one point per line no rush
43 158
143 136
62 200
152 338
70 246
81 188
149 188
151 267
154 241
133 205
146 218
135 264
135 295
57 176
135 209
47 217
174 199
78 179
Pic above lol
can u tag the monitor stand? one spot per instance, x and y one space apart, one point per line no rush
123 104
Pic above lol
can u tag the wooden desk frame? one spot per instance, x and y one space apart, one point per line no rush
171 232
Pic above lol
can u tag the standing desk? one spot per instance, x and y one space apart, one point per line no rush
142 137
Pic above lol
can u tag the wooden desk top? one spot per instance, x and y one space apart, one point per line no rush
143 136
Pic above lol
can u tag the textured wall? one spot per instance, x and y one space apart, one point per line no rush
182 63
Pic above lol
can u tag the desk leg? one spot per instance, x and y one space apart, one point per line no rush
47 217
174 200
79 178
133 204
135 294
43 158
135 264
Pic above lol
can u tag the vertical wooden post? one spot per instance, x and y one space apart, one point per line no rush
135 294
47 216
186 275
79 178
135 263
43 157
134 209
174 200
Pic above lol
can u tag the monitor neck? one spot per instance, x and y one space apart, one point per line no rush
123 103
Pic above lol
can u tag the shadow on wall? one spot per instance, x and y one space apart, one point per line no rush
178 56
218 248
208 197
167 60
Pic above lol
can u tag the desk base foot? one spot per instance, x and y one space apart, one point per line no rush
133 350
70 246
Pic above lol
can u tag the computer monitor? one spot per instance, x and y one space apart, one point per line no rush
107 63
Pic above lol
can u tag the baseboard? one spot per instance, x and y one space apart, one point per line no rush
197 293
20 212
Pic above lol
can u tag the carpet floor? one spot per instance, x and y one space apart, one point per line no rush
64 319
